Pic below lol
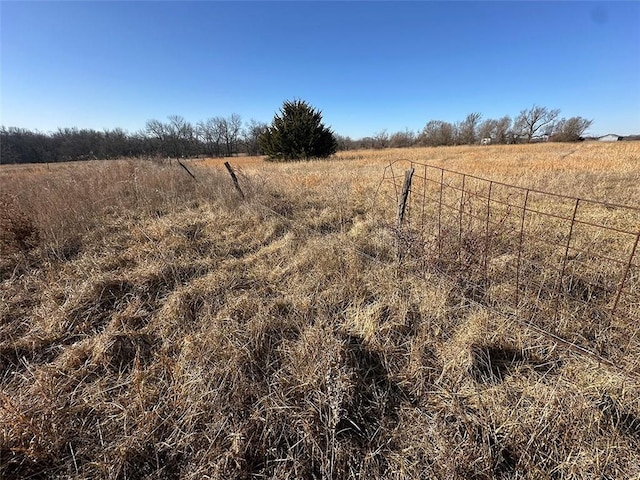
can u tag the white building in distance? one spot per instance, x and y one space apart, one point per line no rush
612 137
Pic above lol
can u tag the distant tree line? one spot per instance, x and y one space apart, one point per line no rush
227 136
530 125
176 137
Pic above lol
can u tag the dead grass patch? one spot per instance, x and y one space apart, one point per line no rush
192 335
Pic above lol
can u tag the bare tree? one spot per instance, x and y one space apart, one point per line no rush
211 132
438 133
206 132
534 121
252 134
402 139
231 133
503 129
347 143
487 129
115 143
467 130
381 139
176 138
499 131
181 136
570 130
156 129
366 142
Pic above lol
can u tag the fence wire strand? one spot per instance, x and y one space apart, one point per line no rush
551 258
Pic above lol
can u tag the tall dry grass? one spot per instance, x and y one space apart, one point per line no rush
63 204
194 335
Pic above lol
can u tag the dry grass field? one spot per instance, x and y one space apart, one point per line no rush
153 326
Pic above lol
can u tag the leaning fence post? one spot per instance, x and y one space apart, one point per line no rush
623 280
234 178
564 260
186 169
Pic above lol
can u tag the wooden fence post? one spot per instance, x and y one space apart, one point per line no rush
234 178
402 207
402 203
186 169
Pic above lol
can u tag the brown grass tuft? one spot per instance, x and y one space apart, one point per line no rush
161 327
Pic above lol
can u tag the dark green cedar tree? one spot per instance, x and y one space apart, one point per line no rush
297 133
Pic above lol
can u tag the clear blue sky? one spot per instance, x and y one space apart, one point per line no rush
367 65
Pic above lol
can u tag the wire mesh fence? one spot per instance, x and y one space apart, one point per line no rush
566 264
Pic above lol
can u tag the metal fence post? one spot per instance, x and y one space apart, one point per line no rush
464 179
623 280
486 243
520 243
564 260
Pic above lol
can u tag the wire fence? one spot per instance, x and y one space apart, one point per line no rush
566 264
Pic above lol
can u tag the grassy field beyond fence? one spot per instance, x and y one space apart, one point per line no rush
157 326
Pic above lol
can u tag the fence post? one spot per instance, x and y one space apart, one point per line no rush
486 244
464 179
393 177
520 243
623 280
402 204
186 169
564 260
234 178
440 216
424 197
